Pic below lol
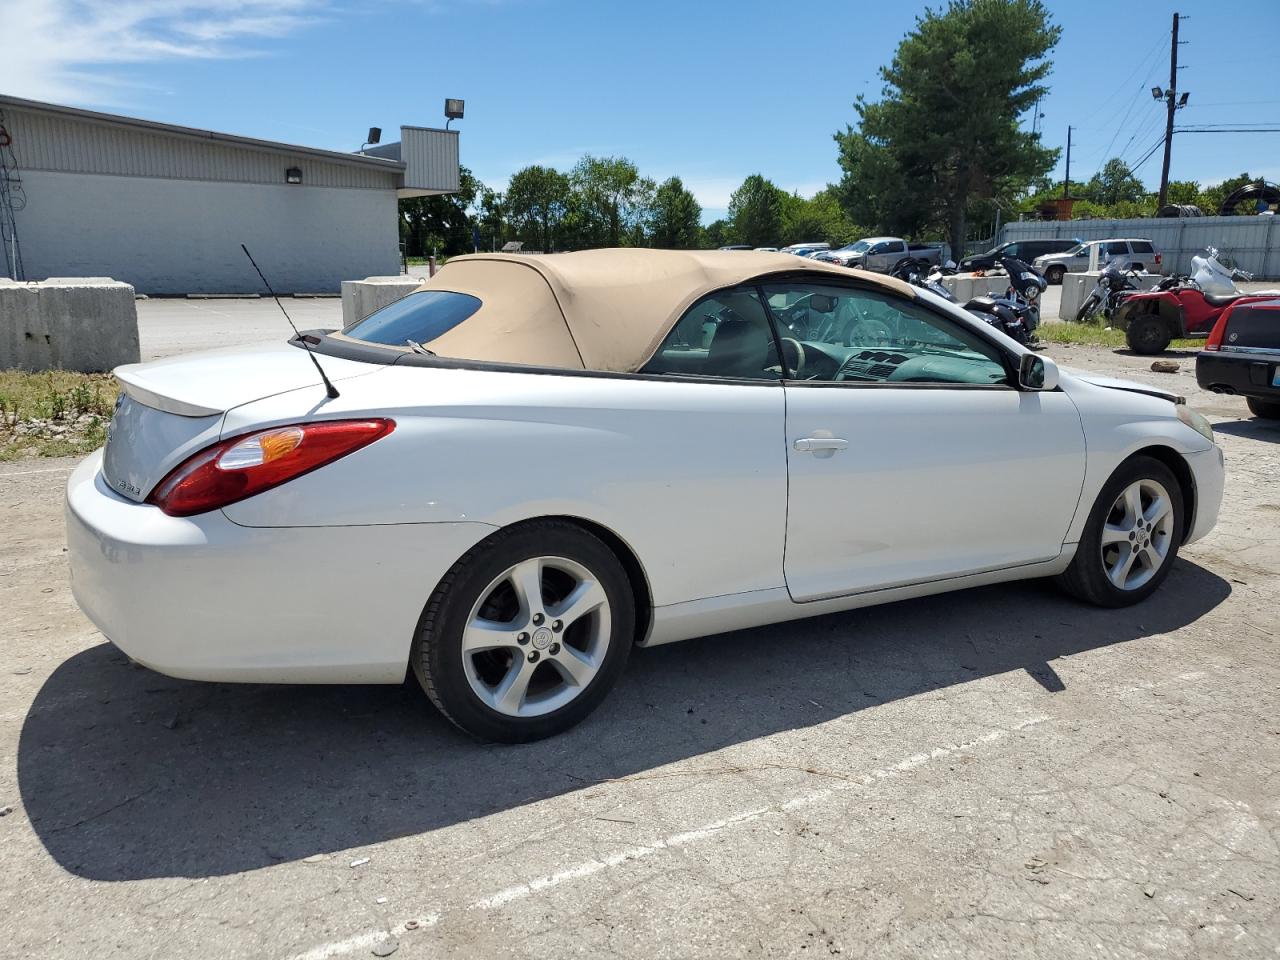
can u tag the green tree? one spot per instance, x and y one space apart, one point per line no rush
818 218
441 223
715 235
490 216
676 217
755 212
1113 184
537 203
1185 191
609 201
945 132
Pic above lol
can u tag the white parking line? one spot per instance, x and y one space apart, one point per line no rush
676 840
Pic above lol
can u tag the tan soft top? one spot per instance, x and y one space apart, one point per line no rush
599 309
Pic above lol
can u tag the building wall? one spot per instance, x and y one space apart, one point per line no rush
72 144
167 236
1250 243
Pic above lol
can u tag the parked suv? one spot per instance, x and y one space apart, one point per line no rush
1138 254
1025 250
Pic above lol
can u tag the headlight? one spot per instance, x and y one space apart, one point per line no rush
1195 421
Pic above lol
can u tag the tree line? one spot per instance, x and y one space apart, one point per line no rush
941 150
606 202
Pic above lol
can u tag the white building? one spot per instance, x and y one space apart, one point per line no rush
166 208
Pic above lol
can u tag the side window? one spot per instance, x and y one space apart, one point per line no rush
724 335
1142 246
839 334
1116 249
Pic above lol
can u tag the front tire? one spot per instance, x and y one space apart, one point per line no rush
1087 309
1131 538
527 633
1147 334
1266 409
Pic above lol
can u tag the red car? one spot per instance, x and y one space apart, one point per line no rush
1242 355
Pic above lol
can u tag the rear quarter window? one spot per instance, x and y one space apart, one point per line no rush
421 317
1141 246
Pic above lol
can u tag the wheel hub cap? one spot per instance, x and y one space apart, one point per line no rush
536 637
1137 535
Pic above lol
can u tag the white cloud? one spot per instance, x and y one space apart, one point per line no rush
65 50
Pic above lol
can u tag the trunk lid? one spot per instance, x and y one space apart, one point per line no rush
169 409
1252 328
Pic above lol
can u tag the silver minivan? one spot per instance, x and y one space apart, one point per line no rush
1142 254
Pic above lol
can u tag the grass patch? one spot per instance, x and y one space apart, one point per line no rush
55 413
1094 335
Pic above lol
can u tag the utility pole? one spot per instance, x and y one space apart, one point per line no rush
1172 103
1066 181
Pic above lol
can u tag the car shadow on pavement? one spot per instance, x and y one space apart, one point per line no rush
126 774
1255 429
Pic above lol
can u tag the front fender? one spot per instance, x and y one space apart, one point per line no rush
1166 306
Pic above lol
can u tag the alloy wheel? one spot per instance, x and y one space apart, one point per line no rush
537 636
1137 534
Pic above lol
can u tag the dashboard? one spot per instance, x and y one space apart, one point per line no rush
896 364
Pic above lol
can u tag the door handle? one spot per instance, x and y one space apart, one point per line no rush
814 444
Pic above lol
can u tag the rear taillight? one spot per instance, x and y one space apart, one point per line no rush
253 462
1215 335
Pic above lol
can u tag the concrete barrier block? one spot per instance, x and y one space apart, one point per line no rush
965 286
362 297
87 324
1077 286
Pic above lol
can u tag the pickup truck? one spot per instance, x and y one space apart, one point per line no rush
881 253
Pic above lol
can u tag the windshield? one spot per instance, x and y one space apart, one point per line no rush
858 246
416 319
1079 248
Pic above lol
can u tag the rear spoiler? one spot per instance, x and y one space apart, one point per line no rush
133 382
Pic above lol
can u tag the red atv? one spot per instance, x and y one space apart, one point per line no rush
1151 318
1181 306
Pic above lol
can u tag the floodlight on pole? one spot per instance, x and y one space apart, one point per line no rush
453 110
375 136
1157 93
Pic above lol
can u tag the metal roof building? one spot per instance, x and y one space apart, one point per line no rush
166 208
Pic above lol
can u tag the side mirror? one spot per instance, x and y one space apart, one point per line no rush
1037 373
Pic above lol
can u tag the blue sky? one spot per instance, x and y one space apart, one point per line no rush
710 90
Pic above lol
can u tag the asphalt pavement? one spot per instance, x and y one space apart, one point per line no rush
1001 772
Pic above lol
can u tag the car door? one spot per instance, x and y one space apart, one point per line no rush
910 456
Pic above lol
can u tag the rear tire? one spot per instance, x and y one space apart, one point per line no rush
527 633
1131 537
1265 409
1054 275
1147 334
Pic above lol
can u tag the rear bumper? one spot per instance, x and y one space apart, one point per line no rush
1250 375
203 598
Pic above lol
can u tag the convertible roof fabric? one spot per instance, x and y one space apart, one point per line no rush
599 309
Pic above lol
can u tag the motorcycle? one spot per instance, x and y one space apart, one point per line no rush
1015 314
1114 286
1183 306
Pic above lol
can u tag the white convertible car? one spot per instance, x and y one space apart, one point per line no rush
534 462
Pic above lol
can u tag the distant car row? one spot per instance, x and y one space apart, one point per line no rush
880 254
1052 258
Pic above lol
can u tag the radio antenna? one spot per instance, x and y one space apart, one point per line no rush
329 388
